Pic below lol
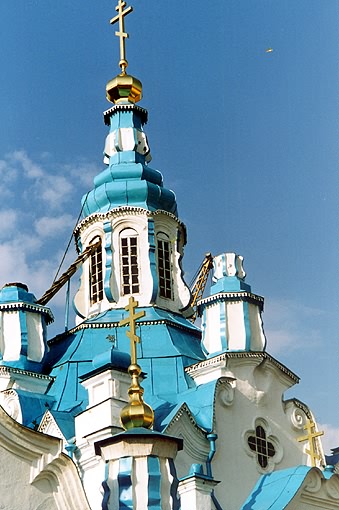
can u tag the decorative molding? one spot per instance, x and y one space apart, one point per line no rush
260 355
45 468
318 491
233 296
332 488
9 401
125 107
109 325
184 426
18 305
226 394
5 371
118 212
278 450
313 482
298 419
49 426
297 412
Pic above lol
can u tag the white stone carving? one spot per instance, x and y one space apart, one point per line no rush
9 401
226 394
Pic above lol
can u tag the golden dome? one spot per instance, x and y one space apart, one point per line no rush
124 88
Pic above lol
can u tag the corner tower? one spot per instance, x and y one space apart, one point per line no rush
129 213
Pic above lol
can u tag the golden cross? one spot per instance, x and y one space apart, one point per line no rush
131 320
310 436
122 12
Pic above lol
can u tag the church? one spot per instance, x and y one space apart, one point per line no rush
160 396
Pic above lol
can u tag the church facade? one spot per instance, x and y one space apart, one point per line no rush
136 407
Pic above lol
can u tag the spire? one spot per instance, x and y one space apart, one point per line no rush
124 87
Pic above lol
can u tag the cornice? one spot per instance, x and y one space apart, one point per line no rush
122 211
27 306
125 108
301 406
9 370
109 325
233 296
210 362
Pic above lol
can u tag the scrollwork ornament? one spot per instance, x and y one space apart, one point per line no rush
313 481
332 488
298 419
226 394
9 400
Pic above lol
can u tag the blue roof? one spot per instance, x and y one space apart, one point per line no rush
65 422
33 407
169 343
276 490
200 402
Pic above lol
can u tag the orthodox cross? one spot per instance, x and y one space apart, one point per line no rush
131 320
122 12
310 436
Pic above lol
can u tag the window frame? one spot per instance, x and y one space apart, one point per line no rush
129 262
164 266
263 446
96 273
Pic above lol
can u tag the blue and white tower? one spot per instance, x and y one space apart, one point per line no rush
231 314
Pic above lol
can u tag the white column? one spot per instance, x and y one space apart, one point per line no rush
196 492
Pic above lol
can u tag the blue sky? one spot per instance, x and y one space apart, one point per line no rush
247 139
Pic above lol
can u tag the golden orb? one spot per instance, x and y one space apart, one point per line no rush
122 88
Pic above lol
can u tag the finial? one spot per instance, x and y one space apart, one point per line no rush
123 87
136 413
310 436
122 12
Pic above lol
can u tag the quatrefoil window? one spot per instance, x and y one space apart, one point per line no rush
263 446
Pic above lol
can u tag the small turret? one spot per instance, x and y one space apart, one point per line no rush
231 315
23 339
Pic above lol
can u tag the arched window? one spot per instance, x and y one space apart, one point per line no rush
129 262
164 266
96 284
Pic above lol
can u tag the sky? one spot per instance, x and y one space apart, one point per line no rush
247 138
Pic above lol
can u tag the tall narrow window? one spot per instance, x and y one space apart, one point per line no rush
164 266
96 284
129 261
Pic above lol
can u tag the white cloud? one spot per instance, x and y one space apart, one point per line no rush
289 325
55 191
8 222
31 169
84 172
43 183
52 226
39 201
43 193
7 172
